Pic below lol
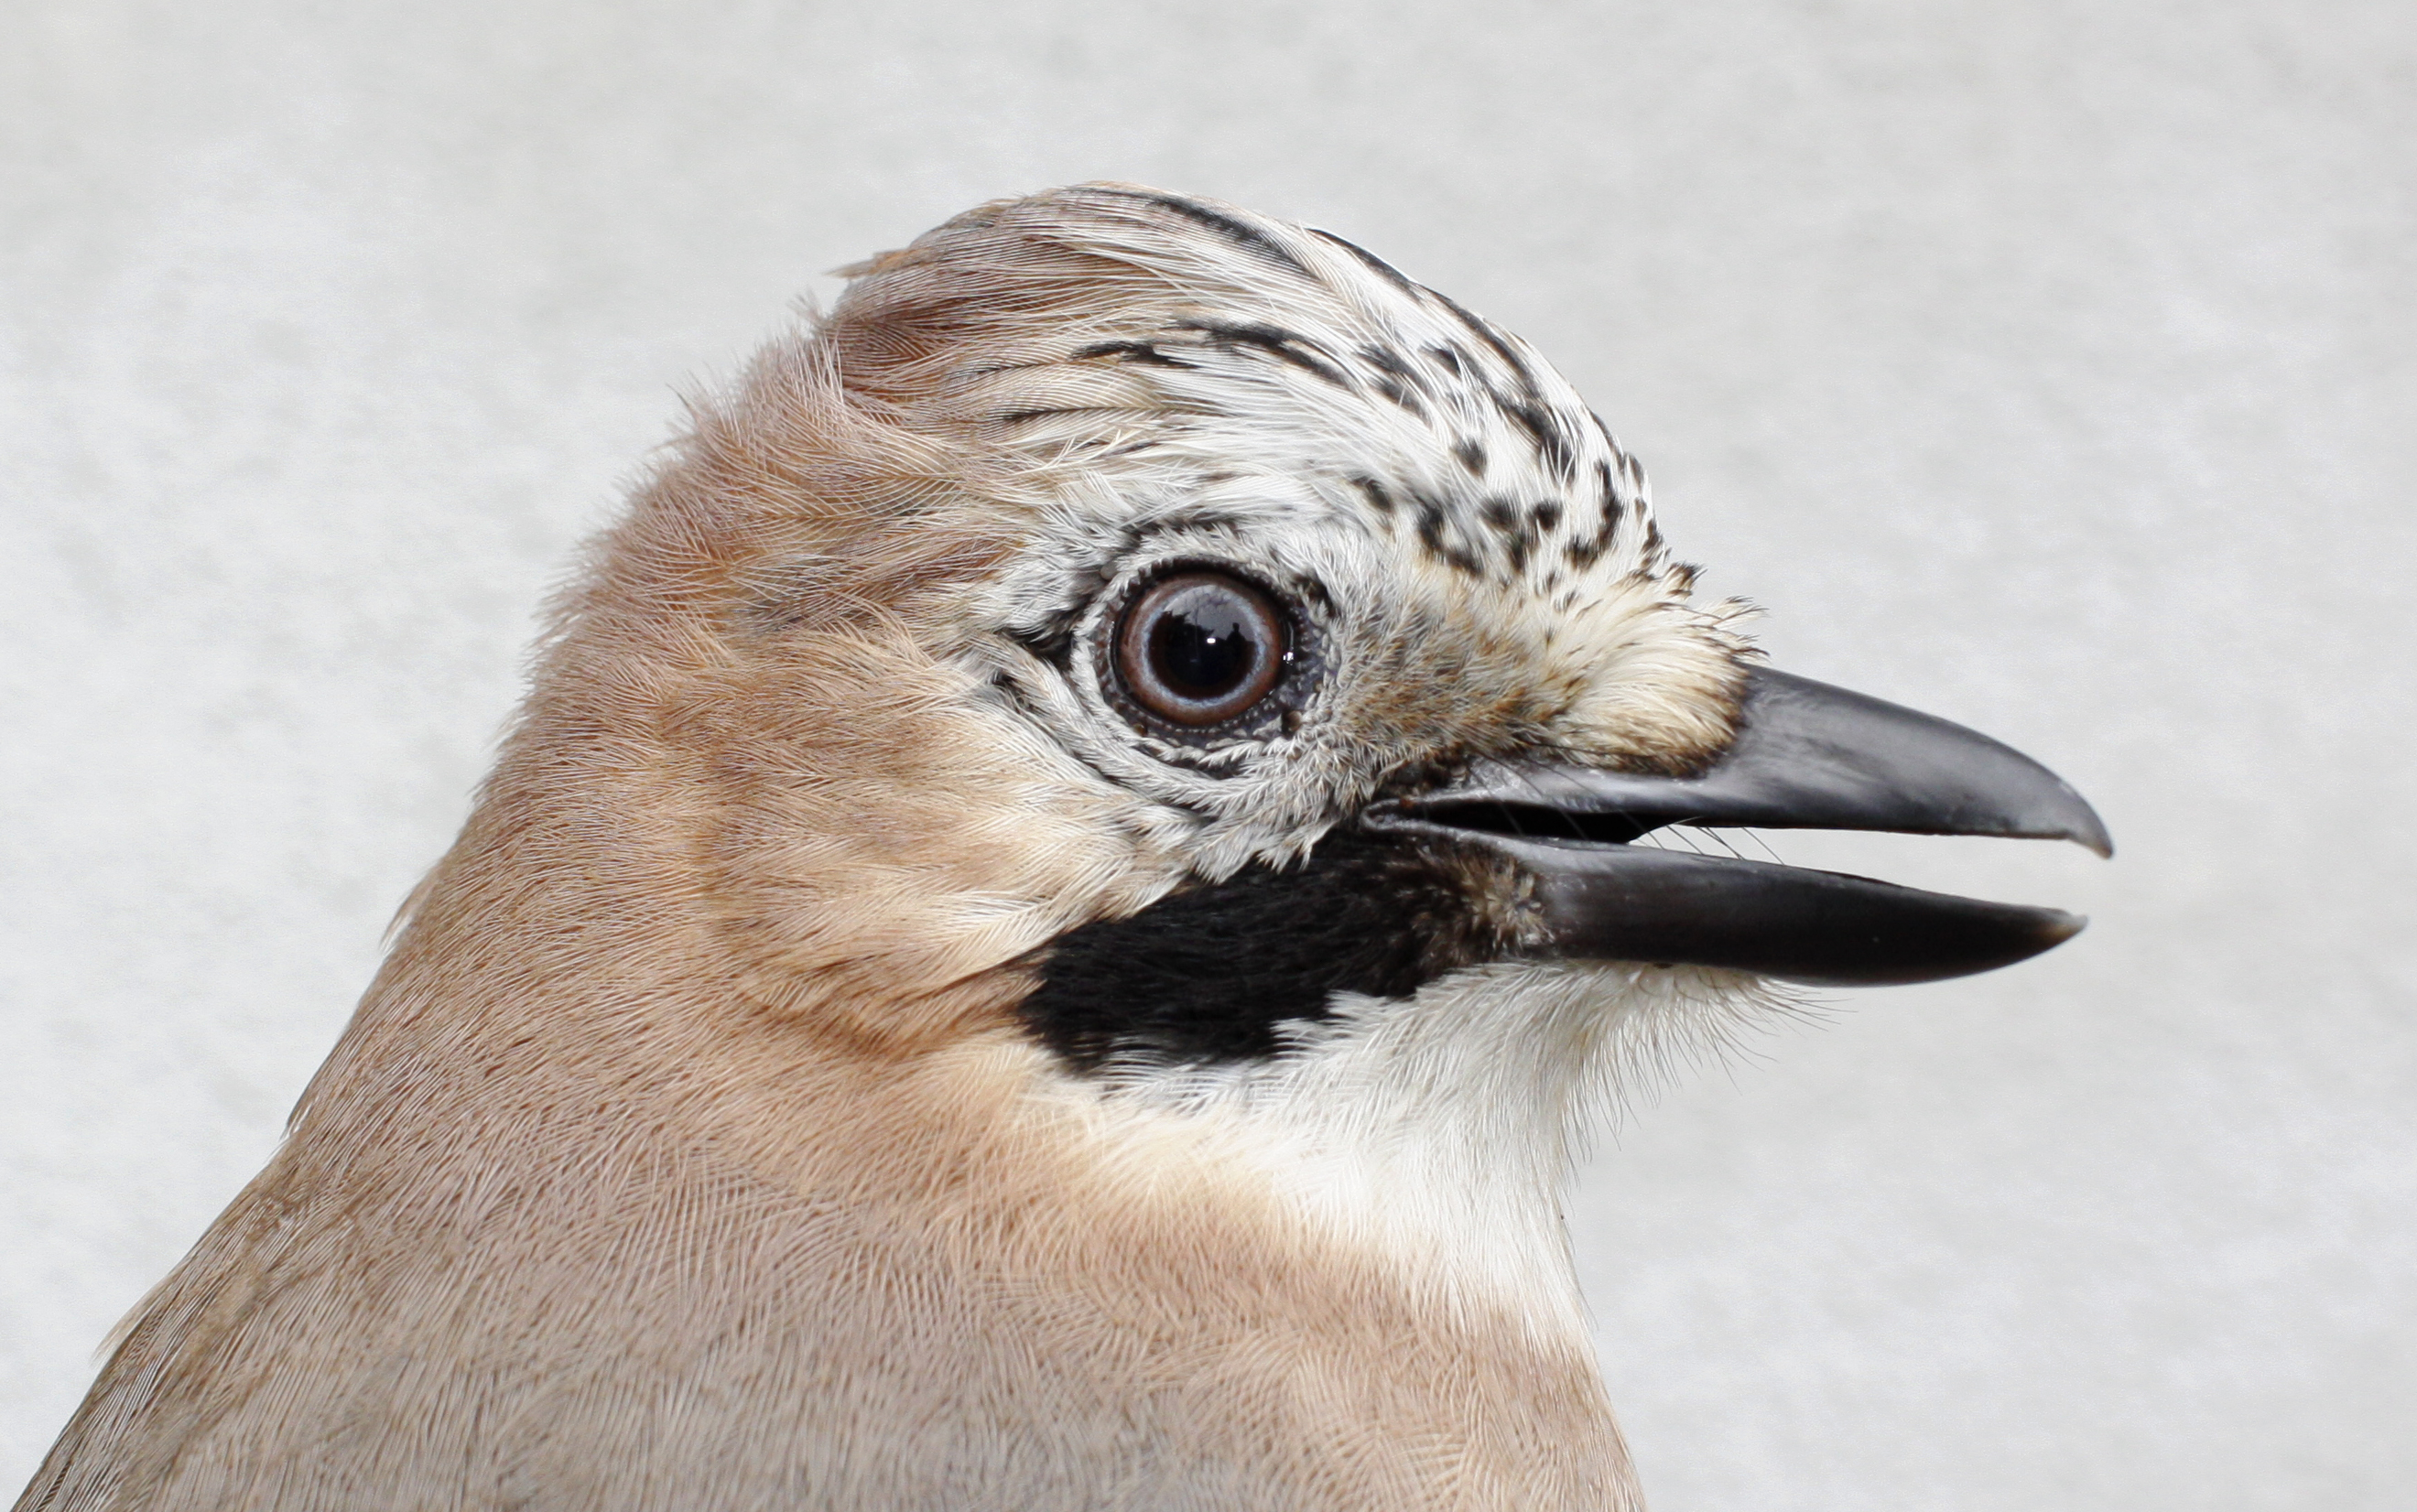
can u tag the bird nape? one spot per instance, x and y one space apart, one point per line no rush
1063 882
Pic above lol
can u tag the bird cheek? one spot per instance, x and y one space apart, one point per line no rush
894 860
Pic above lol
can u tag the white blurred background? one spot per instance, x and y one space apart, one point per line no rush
2044 364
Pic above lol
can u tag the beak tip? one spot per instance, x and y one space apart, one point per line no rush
2092 833
2068 816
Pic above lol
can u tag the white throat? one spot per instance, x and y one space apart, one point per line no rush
1437 1131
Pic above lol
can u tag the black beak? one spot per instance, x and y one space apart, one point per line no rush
1807 756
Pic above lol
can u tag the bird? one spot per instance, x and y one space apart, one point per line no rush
1069 877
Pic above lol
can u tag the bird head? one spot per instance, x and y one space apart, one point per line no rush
1174 644
1042 935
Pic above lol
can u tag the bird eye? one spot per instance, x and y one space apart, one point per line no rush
1200 648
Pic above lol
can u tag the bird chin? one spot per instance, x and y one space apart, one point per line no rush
1806 756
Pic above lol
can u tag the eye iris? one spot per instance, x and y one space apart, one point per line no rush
1201 648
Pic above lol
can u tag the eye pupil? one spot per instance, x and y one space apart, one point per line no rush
1201 648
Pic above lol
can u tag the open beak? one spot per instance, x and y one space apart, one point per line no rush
1806 756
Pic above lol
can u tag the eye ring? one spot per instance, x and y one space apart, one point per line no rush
1200 648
